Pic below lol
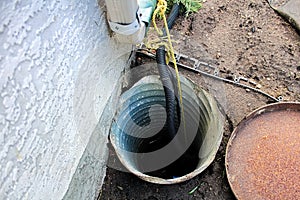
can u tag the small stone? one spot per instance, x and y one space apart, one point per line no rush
120 188
252 81
258 86
290 88
247 90
268 79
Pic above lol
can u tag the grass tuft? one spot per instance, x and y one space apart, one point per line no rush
190 6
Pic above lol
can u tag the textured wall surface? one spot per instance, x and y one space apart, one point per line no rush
58 70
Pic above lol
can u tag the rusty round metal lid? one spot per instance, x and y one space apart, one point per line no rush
263 154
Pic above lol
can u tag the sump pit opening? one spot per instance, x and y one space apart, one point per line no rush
138 132
188 161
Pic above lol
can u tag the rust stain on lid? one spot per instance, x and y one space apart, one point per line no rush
263 154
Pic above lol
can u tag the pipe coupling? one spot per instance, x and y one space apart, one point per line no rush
126 29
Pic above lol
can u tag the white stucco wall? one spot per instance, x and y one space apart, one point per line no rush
58 70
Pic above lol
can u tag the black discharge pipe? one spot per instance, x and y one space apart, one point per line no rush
172 106
189 159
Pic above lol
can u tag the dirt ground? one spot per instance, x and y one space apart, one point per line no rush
241 37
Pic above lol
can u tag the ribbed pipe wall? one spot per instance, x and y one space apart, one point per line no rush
139 132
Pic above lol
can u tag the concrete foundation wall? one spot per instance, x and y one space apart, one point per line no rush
58 72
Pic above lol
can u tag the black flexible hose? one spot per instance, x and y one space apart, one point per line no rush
173 15
166 78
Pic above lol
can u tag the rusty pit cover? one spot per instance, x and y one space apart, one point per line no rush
263 154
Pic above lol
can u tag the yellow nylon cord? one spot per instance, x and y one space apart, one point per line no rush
161 9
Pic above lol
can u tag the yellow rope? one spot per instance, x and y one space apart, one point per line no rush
161 9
